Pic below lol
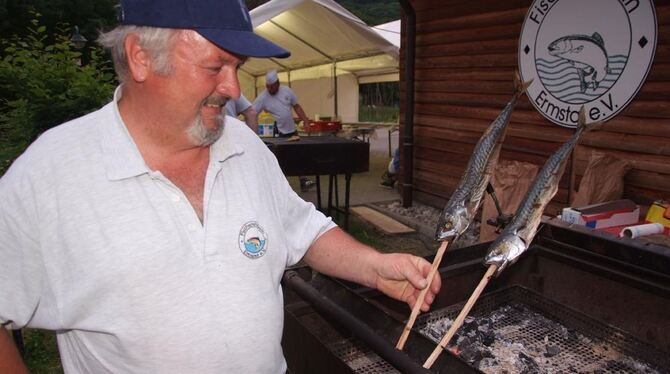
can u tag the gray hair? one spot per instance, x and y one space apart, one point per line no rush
156 41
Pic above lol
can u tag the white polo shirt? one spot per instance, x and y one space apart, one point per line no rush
280 105
112 256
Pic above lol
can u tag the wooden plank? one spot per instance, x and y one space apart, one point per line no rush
494 32
502 46
506 16
381 221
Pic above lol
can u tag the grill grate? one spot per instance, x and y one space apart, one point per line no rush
517 331
350 350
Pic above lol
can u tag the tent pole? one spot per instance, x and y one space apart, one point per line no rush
335 80
408 130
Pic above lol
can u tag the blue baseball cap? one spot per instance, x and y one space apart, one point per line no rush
225 23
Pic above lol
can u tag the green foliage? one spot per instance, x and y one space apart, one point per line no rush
90 15
372 12
44 84
41 352
379 102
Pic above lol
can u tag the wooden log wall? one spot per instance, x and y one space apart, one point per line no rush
466 55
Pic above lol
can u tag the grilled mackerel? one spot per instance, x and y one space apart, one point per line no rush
516 237
464 202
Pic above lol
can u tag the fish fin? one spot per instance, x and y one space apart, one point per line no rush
519 86
598 39
587 126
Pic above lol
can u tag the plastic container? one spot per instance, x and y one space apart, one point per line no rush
266 125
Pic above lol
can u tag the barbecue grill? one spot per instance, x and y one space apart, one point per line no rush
577 301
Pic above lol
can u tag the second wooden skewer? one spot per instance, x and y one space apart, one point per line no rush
461 317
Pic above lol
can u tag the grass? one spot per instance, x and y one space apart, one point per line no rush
378 114
41 352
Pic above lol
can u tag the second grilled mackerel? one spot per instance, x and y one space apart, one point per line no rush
516 237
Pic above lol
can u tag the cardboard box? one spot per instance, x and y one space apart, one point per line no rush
599 216
659 212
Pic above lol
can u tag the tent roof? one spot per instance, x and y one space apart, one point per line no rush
390 31
320 32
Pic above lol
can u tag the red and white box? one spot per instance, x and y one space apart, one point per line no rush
603 215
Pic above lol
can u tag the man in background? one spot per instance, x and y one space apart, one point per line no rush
243 106
280 101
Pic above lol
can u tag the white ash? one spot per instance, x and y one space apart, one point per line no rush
516 339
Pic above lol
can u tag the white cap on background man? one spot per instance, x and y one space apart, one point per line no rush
271 77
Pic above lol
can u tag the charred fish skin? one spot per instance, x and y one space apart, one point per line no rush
464 202
505 251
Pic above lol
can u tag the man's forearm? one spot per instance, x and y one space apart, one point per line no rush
251 118
301 114
338 254
10 360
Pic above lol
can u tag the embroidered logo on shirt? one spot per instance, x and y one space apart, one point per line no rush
252 240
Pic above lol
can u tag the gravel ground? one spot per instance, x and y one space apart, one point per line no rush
423 218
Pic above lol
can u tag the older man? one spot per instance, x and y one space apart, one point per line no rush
144 233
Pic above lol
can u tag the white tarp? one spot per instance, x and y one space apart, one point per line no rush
324 40
390 31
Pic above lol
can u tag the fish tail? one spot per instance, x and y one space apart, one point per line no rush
583 126
519 86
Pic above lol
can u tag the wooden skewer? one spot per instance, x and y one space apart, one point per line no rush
419 301
461 317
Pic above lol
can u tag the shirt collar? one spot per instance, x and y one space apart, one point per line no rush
122 158
120 154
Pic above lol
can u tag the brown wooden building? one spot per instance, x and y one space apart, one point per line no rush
465 58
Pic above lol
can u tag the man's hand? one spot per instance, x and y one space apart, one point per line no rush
398 275
403 276
10 360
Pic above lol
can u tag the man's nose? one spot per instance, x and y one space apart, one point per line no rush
229 84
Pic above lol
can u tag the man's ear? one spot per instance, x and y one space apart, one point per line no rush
139 61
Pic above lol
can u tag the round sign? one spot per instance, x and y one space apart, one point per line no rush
594 53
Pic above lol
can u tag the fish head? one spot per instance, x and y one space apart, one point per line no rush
504 251
559 46
452 223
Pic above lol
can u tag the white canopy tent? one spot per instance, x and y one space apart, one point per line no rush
332 50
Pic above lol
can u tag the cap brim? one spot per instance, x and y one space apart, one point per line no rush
243 43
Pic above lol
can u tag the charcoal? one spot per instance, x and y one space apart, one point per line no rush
552 351
488 338
470 355
530 366
487 362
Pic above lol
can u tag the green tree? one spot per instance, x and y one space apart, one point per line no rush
90 15
44 84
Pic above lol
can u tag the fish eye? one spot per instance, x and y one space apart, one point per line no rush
448 225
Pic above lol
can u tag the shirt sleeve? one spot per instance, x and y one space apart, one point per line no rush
21 266
258 102
294 98
301 223
242 104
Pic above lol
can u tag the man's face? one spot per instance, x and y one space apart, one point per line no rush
273 88
203 78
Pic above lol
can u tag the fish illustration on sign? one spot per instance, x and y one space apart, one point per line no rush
516 237
462 206
587 54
